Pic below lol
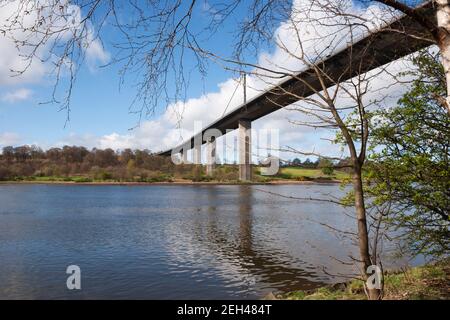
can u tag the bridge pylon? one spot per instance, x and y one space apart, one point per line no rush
210 156
245 150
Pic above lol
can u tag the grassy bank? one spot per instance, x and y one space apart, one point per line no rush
85 179
297 173
224 175
430 282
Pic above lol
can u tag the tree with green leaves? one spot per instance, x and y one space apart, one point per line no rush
410 164
326 166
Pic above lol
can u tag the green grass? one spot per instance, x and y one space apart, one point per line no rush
48 178
309 174
423 283
324 294
223 174
430 282
77 179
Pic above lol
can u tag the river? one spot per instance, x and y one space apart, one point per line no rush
169 242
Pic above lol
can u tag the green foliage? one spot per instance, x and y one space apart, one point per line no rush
327 166
409 166
285 175
77 164
328 171
131 167
303 174
226 173
419 283
82 179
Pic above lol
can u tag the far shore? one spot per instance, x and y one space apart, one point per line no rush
168 183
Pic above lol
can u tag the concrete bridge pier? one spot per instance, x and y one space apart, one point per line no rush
184 156
245 150
197 154
210 156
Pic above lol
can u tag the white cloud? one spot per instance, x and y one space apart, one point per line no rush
12 61
178 121
93 47
96 54
17 95
9 139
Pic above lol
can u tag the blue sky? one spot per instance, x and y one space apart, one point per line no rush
98 107
99 111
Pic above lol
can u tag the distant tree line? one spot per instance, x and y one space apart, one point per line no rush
325 164
82 165
308 163
30 162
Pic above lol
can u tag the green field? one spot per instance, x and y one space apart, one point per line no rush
309 174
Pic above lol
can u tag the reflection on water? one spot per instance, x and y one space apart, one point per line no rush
168 242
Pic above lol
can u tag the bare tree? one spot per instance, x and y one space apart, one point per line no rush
342 107
329 99
156 42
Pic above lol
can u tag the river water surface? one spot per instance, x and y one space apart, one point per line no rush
169 242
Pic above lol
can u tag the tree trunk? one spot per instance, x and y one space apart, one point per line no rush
443 21
363 235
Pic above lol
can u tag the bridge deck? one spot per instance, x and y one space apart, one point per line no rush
367 54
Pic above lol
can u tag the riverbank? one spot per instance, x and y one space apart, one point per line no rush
429 282
286 176
175 182
224 175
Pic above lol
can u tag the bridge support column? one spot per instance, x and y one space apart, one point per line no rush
210 156
245 150
184 156
197 154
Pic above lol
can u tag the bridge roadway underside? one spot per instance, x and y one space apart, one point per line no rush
386 45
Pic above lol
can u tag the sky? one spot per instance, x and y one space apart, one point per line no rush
100 114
